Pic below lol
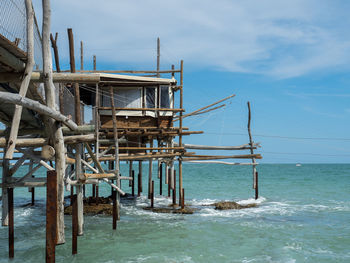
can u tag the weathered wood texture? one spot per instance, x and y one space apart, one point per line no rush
16 119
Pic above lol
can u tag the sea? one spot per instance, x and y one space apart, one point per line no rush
302 215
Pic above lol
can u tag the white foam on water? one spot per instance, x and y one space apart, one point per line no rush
266 258
258 201
201 202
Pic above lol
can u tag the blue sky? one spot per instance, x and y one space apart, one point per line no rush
290 59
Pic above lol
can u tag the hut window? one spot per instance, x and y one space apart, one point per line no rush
125 98
150 97
164 97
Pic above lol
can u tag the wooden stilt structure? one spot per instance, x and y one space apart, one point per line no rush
130 112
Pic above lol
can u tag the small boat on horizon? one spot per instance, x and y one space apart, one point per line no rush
298 164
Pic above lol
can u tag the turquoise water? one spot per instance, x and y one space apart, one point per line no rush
303 216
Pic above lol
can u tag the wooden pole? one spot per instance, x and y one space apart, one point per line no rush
97 132
58 69
32 190
257 186
55 51
5 176
133 183
94 62
139 181
115 217
81 55
51 215
152 194
25 82
251 147
74 224
150 172
161 179
78 149
97 194
158 57
174 189
10 222
76 85
169 179
130 172
116 149
183 199
180 124
53 128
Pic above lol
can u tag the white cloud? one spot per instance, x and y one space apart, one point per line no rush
279 38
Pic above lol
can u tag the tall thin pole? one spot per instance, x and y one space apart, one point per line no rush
255 181
51 215
180 124
11 222
81 55
72 69
158 56
78 154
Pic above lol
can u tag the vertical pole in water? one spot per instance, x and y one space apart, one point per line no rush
32 190
174 189
139 181
93 190
10 222
74 225
51 215
150 171
180 124
161 179
5 175
169 178
256 186
97 195
252 152
152 194
33 196
130 173
133 183
115 217
183 199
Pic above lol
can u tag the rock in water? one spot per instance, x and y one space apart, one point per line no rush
231 205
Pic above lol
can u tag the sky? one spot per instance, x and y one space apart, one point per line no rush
290 59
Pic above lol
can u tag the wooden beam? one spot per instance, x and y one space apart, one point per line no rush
56 77
229 148
216 157
99 176
38 107
206 107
